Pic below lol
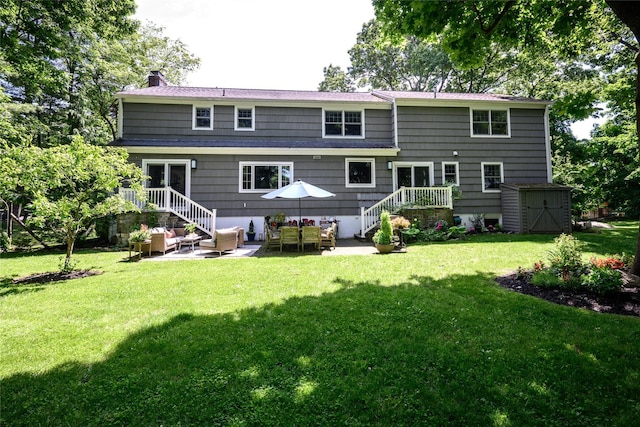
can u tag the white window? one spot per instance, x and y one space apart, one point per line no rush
262 177
343 124
492 177
494 123
244 118
202 117
360 173
450 173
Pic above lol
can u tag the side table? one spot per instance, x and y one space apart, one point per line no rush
140 247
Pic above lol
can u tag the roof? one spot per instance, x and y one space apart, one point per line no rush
205 93
268 95
430 96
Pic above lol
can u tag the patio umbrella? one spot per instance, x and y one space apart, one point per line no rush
298 190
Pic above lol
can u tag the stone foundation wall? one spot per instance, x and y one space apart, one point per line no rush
428 216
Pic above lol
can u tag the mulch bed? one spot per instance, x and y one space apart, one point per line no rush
42 278
626 301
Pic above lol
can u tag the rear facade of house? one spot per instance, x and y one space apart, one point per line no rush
224 148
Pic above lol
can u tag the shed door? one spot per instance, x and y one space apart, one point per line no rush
544 211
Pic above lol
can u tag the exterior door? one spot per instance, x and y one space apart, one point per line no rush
413 175
167 173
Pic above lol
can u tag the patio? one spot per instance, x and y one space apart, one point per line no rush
343 247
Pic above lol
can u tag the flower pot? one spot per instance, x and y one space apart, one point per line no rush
251 236
385 249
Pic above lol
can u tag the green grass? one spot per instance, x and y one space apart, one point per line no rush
422 338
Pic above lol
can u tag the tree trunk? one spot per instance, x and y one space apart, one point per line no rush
68 266
629 13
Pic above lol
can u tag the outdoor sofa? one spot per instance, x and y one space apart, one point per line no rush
163 240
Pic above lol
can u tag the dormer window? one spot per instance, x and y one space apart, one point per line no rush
343 124
202 117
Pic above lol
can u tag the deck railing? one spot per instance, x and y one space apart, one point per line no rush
168 199
431 197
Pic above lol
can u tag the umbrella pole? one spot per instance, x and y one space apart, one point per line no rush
300 211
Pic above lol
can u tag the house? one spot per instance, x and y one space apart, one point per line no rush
223 148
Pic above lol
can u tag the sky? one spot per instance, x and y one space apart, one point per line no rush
267 44
261 44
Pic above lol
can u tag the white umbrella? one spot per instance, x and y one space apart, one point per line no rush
298 190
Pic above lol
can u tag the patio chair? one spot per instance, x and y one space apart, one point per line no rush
328 237
273 238
289 236
311 234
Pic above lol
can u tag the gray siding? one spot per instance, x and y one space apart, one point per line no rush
215 184
174 121
432 134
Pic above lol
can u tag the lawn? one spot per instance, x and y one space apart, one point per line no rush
422 338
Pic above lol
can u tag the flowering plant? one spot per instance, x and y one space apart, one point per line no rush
140 235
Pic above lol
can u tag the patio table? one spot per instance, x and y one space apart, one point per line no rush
189 241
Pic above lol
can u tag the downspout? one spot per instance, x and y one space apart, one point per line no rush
120 119
547 144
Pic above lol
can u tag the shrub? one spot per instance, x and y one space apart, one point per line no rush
565 258
5 242
384 235
614 262
548 278
602 280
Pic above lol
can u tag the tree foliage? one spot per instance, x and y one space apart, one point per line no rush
68 59
68 186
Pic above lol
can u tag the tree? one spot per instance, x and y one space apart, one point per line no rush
68 186
68 59
469 28
336 80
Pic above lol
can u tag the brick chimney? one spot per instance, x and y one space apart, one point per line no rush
157 79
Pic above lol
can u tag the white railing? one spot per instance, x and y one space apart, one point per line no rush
168 199
430 197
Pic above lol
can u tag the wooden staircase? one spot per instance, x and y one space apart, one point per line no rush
169 200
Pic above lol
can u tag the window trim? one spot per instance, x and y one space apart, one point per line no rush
491 190
371 160
253 118
490 134
241 166
194 116
343 136
457 165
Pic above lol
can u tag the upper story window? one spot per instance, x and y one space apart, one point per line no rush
343 124
492 177
490 123
360 173
261 177
244 119
202 117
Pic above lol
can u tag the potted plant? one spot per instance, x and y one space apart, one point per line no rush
477 222
190 228
383 238
279 219
251 234
137 236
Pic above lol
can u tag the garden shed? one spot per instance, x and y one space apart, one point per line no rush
536 208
